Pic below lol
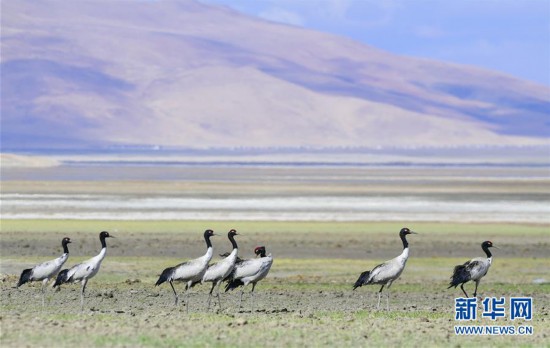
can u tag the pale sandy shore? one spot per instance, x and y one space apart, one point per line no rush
463 194
8 160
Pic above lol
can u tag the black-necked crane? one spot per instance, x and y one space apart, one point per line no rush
84 271
219 271
250 271
474 269
46 270
386 273
190 271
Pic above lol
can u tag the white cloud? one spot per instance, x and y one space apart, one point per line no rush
336 9
282 16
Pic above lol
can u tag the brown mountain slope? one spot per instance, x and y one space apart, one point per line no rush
187 74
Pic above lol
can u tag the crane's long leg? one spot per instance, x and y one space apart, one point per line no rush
379 294
464 291
210 294
218 294
188 288
44 282
175 293
475 291
252 297
84 282
241 300
388 296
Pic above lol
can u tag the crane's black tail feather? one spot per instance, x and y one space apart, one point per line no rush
164 276
460 275
25 277
233 284
362 279
61 278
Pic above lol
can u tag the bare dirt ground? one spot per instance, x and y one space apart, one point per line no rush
306 299
141 315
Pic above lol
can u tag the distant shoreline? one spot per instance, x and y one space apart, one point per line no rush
293 193
476 156
9 160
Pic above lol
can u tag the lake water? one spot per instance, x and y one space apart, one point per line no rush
310 208
326 193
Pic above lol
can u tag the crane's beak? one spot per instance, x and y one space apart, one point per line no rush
111 236
411 232
494 246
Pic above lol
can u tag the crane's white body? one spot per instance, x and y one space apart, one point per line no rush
84 271
87 269
390 270
192 271
250 271
221 269
253 270
478 267
473 270
386 273
46 270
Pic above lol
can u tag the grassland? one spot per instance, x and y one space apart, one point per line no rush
305 301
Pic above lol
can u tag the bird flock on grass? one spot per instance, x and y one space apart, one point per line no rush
236 272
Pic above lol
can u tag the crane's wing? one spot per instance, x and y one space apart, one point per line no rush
42 270
477 268
81 270
76 271
379 273
471 269
48 268
246 268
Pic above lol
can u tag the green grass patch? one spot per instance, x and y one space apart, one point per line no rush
174 226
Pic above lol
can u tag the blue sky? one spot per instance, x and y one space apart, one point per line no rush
509 36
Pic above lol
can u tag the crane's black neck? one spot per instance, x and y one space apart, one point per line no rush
404 240
487 252
65 247
103 244
207 240
262 253
232 239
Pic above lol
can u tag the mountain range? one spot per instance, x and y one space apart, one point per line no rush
78 74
